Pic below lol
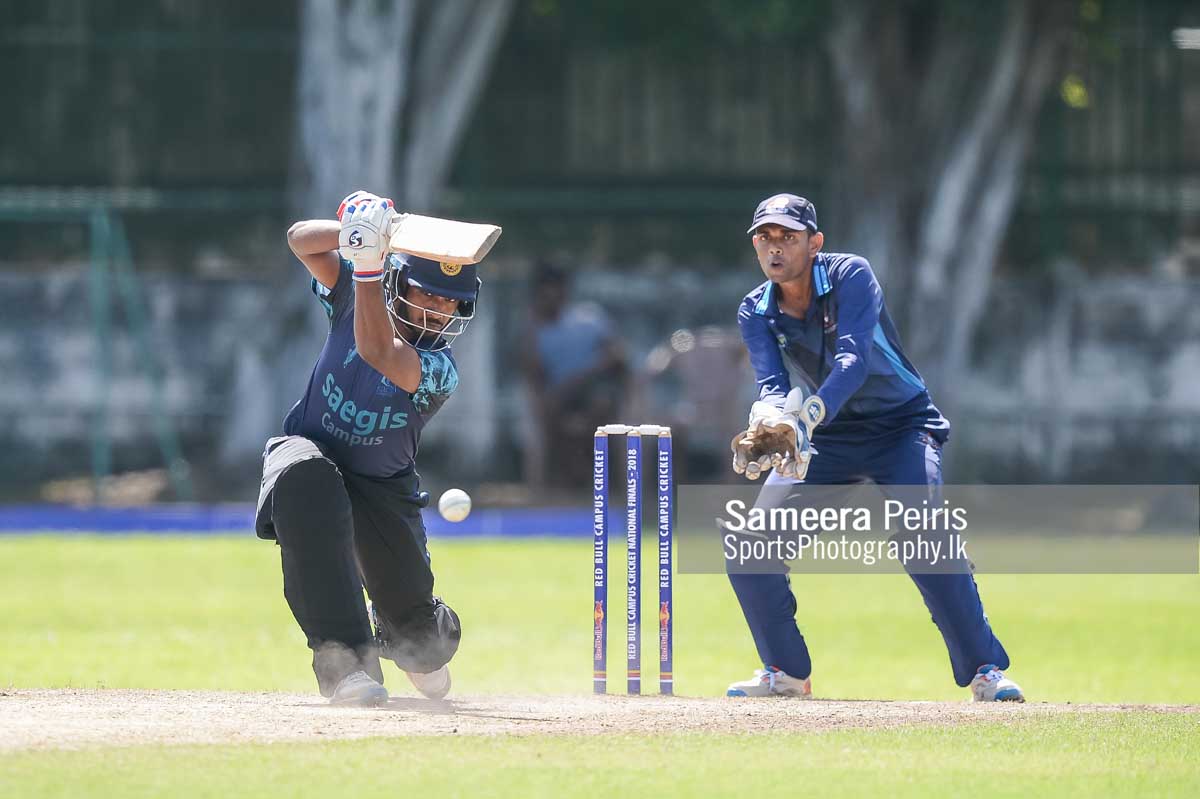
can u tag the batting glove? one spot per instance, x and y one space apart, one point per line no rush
363 240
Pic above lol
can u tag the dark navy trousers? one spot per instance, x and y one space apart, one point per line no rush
907 458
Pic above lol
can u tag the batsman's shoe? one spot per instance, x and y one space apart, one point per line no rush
990 685
357 689
434 685
772 682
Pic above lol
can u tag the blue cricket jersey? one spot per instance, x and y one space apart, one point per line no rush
845 348
362 421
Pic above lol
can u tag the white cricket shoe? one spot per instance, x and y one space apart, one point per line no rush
990 685
772 682
359 689
434 685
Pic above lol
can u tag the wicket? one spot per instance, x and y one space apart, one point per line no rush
664 481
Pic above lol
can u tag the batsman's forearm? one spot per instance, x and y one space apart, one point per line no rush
312 236
373 333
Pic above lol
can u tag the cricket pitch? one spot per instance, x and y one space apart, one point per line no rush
77 718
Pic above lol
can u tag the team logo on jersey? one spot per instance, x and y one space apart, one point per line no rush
777 203
345 421
450 269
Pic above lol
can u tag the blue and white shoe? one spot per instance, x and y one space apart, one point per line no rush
772 682
990 685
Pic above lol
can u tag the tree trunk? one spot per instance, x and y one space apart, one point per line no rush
993 210
353 81
933 168
456 51
351 86
868 200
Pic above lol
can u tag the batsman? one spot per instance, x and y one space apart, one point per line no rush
839 404
340 492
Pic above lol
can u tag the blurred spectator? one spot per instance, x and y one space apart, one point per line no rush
575 374
700 383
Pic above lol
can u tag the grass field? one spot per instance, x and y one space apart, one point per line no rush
208 613
1132 755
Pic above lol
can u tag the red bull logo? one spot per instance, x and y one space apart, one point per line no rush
598 653
664 614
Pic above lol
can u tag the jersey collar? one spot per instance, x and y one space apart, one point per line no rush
768 303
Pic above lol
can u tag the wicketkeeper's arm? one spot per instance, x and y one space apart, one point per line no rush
859 301
773 431
774 383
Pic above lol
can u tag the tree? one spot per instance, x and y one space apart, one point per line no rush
937 128
385 90
932 104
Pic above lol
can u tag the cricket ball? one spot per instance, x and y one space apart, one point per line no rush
455 505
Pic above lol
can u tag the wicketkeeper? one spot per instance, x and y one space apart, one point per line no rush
340 492
839 403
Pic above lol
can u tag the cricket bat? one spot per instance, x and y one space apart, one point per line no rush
443 240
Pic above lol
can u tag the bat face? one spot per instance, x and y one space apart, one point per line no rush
443 240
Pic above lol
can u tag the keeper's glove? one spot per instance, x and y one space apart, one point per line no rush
779 438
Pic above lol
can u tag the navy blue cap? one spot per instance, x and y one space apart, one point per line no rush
456 281
787 210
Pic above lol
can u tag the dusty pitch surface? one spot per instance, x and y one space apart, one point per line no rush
52 719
